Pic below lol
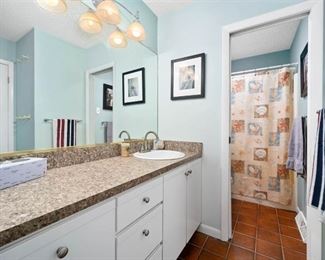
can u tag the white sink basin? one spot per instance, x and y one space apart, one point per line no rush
160 155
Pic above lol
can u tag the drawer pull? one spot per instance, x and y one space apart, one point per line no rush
146 232
189 171
146 199
62 251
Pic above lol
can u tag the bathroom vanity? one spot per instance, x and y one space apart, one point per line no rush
115 208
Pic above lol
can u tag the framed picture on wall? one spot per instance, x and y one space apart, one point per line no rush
188 77
107 97
304 72
134 87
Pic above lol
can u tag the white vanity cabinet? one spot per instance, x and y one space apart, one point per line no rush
85 235
151 221
182 207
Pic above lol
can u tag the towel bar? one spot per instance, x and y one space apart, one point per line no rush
47 120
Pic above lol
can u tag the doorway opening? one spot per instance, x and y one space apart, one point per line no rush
100 104
6 106
314 12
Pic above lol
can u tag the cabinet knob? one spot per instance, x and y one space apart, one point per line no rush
146 232
62 251
189 171
186 173
146 199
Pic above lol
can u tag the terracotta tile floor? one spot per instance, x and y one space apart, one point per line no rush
259 233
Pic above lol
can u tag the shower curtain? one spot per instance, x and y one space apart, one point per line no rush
261 117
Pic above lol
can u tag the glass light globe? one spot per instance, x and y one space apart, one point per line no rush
108 12
55 6
136 31
117 39
90 23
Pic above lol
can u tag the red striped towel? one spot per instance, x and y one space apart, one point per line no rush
64 132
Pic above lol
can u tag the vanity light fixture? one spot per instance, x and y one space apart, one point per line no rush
90 23
108 12
117 39
56 6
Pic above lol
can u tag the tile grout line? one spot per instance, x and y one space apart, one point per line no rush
201 248
282 249
256 233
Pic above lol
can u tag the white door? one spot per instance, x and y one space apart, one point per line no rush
174 239
5 110
315 249
194 198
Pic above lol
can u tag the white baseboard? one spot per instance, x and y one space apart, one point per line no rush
211 231
301 224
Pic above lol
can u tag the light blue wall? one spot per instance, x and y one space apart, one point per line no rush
7 50
261 61
104 115
24 93
298 44
138 118
59 86
194 29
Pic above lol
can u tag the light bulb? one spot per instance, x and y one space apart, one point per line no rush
52 2
55 6
117 39
136 31
90 23
108 12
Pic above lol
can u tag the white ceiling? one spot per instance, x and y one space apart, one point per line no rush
265 40
17 17
160 7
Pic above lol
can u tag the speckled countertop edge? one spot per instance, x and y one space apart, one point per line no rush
25 228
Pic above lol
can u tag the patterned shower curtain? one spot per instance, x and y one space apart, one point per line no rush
261 117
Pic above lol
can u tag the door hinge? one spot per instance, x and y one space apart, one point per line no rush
229 140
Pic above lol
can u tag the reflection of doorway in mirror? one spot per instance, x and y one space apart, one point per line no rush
6 106
103 104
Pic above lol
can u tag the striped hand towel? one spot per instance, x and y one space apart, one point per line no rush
317 191
64 132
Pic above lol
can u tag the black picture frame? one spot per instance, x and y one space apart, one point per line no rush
107 100
304 72
202 78
141 98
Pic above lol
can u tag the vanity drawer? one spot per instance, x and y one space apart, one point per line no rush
88 235
133 204
139 240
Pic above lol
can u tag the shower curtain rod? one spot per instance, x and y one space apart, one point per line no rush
266 68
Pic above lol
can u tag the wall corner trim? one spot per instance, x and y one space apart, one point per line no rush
211 231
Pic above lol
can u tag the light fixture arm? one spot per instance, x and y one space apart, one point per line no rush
136 16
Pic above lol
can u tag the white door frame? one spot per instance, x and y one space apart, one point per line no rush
11 102
90 92
314 10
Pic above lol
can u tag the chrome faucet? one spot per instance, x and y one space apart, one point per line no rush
144 147
124 132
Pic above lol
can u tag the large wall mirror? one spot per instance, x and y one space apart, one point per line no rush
62 86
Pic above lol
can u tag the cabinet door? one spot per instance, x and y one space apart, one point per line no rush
194 198
87 236
174 239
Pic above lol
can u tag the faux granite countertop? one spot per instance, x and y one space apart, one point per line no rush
64 191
